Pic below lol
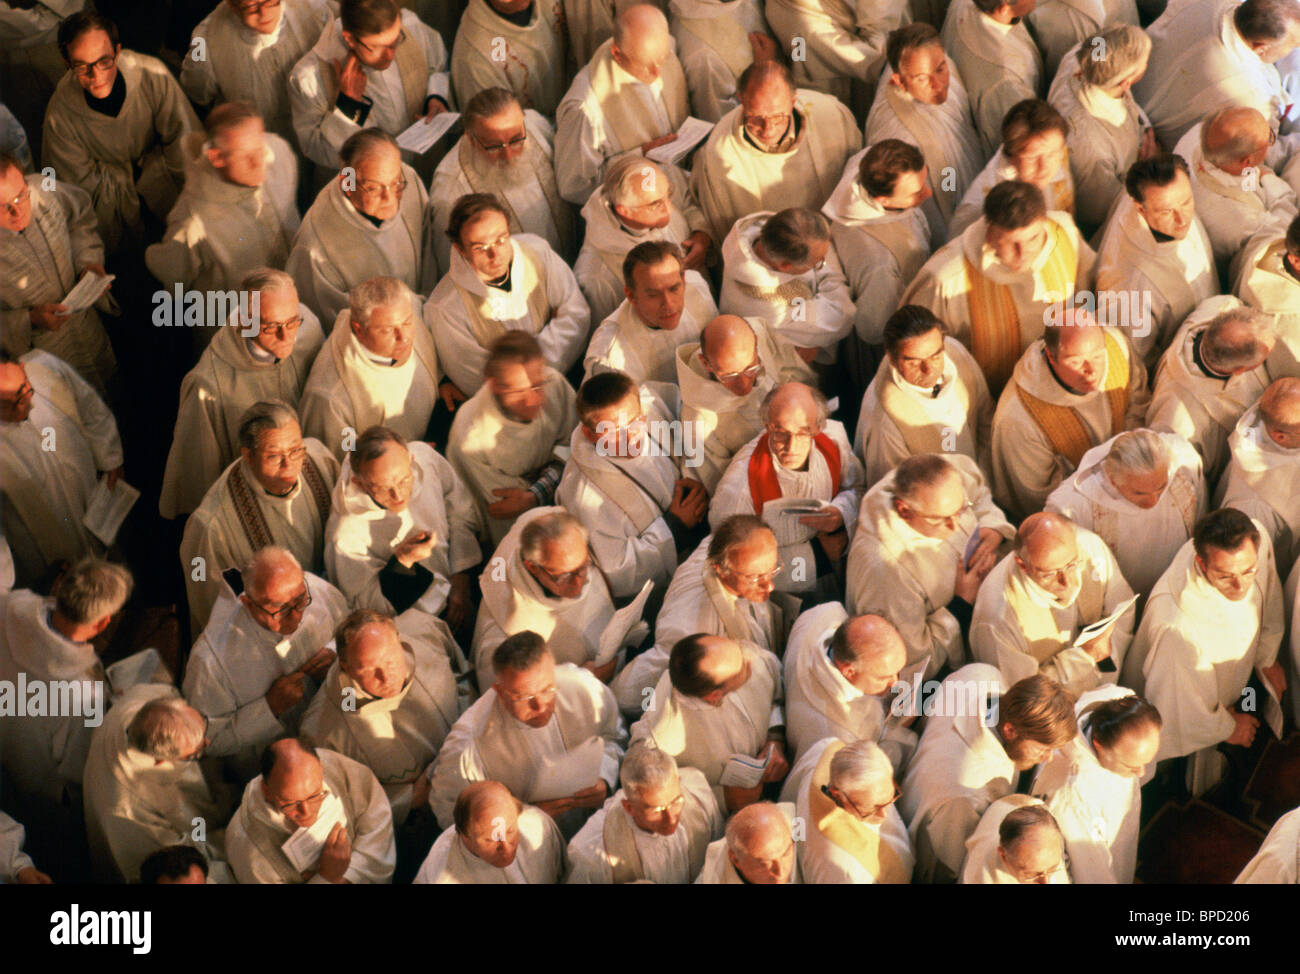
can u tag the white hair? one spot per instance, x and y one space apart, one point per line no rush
378 292
1137 452
646 768
856 767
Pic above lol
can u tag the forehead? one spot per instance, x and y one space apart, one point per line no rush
924 59
1049 140
1243 557
485 227
373 642
395 459
774 95
926 344
249 130
508 119
11 183
793 411
386 315
662 273
1081 341
759 545
625 408
290 432
12 375
537 676
90 45
1177 193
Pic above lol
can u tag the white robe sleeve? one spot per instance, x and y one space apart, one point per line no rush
579 161
231 728
564 337
12 858
94 416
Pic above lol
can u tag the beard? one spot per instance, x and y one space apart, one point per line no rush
495 177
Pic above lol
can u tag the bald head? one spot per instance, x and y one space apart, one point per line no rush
486 818
292 781
1237 341
1046 549
760 845
1042 531
727 337
1235 138
641 41
1279 408
868 651
268 568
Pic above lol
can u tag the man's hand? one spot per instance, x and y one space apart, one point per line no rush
436 107
695 250
556 806
824 522
1150 145
352 77
420 790
834 543
656 143
1098 647
970 579
319 664
763 46
1243 734
31 876
807 354
51 317
285 692
336 856
514 501
592 797
690 502
111 477
737 798
986 553
417 546
1275 676
778 767
450 395
457 611
603 673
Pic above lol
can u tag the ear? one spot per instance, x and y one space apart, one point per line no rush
627 806
591 435
214 157
713 697
1200 565
246 453
900 508
896 80
1008 731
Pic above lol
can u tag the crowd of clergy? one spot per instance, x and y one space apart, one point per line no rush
889 486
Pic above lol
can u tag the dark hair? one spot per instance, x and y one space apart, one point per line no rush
1293 238
909 38
908 322
1225 529
1159 170
171 862
227 115
519 652
650 252
469 208
358 145
919 470
1023 820
602 390
1264 20
989 7
1028 119
1013 205
515 347
787 235
489 103
372 444
268 753
1109 720
80 23
884 162
841 649
353 623
684 666
1040 709
364 18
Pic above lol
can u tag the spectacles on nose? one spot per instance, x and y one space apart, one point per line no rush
782 437
393 490
752 372
391 48
500 146
372 188
258 6
289 608
876 810
942 520
274 327
1061 574
296 455
532 699
763 122
83 69
674 806
15 205
484 249
302 804
756 578
564 578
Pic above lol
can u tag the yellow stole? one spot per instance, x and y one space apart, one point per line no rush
919 431
1062 424
994 320
1043 638
848 832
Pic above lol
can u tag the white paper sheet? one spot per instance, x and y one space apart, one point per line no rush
571 772
420 138
1090 632
625 620
87 291
108 509
782 516
744 771
692 133
303 848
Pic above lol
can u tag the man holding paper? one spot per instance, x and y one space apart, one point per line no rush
551 734
312 816
718 709
376 66
801 477
47 492
49 242
1057 605
631 97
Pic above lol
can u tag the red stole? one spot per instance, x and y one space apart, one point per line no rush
763 485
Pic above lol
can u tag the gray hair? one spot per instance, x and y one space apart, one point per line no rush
1106 56
361 145
356 620
623 176
262 562
262 417
1241 140
378 292
858 766
266 279
823 405
163 729
646 768
92 589
488 103
1226 348
1137 452
546 529
921 470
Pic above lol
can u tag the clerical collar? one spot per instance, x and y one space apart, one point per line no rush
378 359
1160 237
113 103
1048 362
630 231
501 283
1198 356
259 354
519 18
378 223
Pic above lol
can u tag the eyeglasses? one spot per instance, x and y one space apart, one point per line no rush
296 455
500 146
401 39
401 487
564 578
484 248
786 437
257 6
289 608
372 188
15 205
24 392
1063 573
545 694
761 122
876 810
271 327
1031 879
303 804
83 70
942 520
752 372
756 578
674 806
203 746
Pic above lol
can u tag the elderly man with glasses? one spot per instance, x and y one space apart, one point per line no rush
847 795
144 789
258 663
312 816
928 534
375 66
509 151
1032 609
268 358
114 128
372 221
551 734
1017 841
801 477
758 849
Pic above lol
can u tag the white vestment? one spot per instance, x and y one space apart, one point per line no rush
492 51
1059 25
1278 859
910 578
1143 540
612 841
1023 630
795 540
1264 281
983 865
493 451
539 858
713 45
1260 481
215 394
625 342
12 858
258 831
718 870
465 314
1058 192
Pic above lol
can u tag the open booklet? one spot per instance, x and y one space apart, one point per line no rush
692 133
782 516
87 291
570 773
108 509
624 627
303 848
744 771
420 137
1272 711
1093 630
